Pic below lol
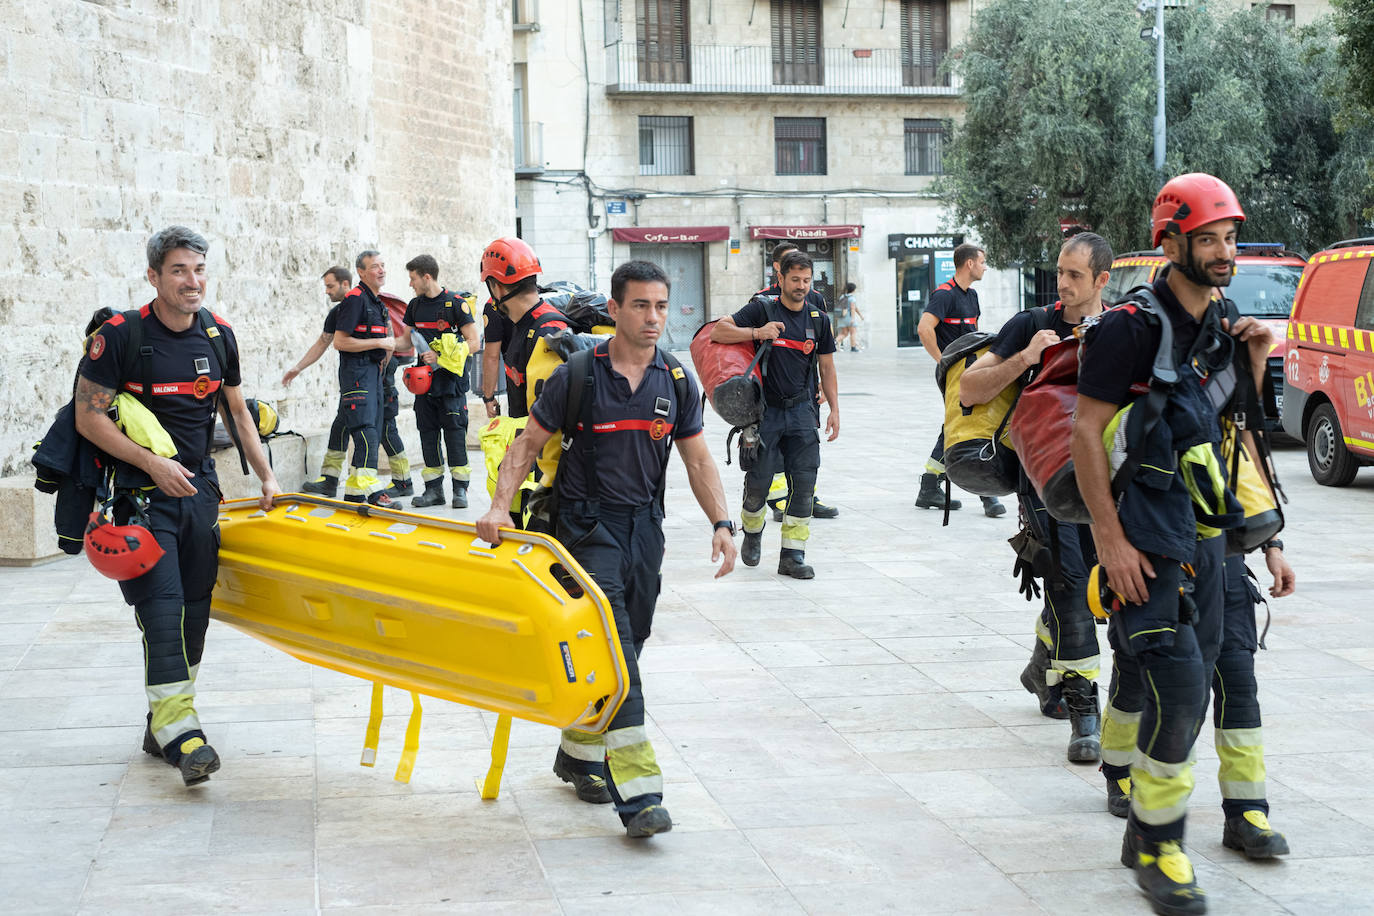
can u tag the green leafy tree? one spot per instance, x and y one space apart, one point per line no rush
1354 23
1059 125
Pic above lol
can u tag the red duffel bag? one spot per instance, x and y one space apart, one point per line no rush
730 377
1041 431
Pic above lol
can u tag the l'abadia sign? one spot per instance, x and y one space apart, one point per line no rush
805 232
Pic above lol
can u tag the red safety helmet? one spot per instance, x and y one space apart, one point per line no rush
417 378
509 260
120 552
1190 201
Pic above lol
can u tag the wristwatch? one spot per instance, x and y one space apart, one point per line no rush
1271 543
727 524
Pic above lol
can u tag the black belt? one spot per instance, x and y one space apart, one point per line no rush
785 403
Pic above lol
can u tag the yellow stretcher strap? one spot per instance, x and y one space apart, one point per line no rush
500 741
412 746
374 727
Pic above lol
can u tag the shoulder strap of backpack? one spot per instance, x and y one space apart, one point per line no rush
578 409
682 398
1164 375
210 326
1045 315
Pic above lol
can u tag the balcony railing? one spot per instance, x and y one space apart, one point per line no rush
712 69
529 147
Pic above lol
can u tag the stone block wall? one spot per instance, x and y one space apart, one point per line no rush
291 134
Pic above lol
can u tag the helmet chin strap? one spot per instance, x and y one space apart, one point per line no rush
500 301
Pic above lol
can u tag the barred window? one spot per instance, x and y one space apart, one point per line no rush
665 145
799 146
924 146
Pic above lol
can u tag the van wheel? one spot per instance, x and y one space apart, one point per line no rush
1331 462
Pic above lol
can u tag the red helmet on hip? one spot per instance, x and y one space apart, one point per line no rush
1190 201
508 261
418 378
120 552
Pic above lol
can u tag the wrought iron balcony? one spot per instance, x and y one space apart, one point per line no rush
753 69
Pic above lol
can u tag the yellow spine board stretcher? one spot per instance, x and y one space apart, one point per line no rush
423 604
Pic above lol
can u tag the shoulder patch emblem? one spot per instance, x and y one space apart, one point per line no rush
678 373
201 387
658 429
97 347
808 346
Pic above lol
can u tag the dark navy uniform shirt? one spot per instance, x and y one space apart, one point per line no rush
633 429
183 373
362 315
788 363
331 320
432 316
957 311
1124 344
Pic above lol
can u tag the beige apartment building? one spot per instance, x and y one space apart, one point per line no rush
697 133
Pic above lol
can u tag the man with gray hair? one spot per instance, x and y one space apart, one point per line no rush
147 393
364 341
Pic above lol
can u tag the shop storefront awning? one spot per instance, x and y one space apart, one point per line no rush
669 235
805 232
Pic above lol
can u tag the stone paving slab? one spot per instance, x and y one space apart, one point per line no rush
858 743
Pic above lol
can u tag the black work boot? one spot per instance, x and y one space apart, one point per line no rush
792 562
823 510
460 494
1252 835
1164 873
1085 718
590 787
324 485
198 760
400 488
1033 679
381 500
932 494
751 549
150 745
992 507
653 819
433 495
1118 796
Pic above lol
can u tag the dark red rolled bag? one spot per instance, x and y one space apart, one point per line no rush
1041 431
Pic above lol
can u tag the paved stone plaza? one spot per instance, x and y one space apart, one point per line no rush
857 743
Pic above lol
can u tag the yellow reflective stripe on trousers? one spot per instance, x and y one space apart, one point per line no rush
1119 733
1159 790
399 465
332 465
173 709
1240 762
778 487
753 519
460 472
428 473
632 763
412 745
795 532
1087 668
362 482
581 745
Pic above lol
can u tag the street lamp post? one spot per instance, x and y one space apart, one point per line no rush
1157 35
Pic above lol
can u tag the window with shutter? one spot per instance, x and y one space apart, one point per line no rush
663 41
665 145
796 31
925 42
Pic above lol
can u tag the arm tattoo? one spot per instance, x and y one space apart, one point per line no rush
94 398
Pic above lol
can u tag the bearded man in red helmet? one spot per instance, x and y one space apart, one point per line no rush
1160 512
